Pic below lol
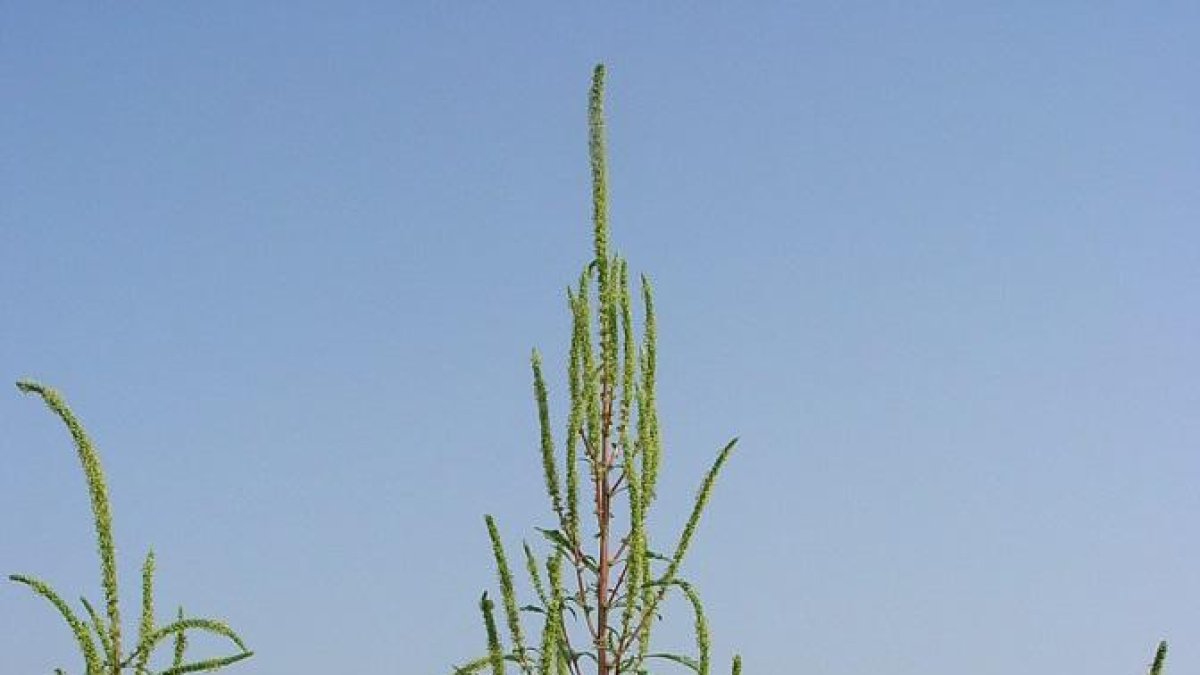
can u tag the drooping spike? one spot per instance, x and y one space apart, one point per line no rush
211 626
87 647
101 510
702 637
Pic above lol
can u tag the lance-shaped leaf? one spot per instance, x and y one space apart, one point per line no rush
473 666
677 658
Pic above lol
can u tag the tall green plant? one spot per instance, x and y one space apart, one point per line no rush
600 591
100 637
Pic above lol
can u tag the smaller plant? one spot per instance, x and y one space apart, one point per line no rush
99 638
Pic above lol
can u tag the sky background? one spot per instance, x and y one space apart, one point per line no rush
936 264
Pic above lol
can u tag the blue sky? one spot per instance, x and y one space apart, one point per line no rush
935 264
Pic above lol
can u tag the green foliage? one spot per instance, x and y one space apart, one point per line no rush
603 609
109 658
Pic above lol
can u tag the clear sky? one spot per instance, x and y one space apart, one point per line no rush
936 264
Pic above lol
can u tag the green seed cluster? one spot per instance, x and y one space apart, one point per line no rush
108 658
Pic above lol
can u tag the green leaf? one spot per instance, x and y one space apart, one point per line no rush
677 658
473 666
555 537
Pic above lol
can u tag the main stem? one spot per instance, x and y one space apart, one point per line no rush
604 515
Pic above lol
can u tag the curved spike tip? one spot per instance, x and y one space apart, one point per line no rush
32 386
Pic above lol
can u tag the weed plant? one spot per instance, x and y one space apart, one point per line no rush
599 591
100 637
